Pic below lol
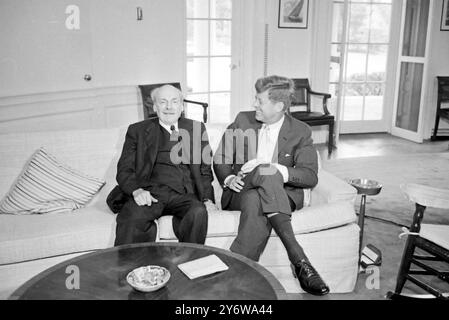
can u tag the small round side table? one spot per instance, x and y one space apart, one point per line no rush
365 188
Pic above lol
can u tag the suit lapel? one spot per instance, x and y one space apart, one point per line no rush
152 142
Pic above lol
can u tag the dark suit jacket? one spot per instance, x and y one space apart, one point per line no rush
136 162
295 151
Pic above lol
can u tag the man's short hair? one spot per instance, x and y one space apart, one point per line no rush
155 92
280 89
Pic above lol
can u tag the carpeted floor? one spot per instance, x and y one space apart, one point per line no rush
391 204
392 171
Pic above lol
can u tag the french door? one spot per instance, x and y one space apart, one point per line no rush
360 49
211 55
412 62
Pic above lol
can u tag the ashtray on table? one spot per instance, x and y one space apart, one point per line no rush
148 278
366 186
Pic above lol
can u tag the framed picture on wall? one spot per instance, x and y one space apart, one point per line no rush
445 16
294 14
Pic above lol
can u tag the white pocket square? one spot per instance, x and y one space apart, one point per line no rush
287 155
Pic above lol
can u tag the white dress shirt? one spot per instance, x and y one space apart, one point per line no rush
167 127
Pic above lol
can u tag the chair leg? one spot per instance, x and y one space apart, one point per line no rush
330 144
435 130
405 263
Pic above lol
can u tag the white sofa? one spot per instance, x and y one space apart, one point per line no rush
30 244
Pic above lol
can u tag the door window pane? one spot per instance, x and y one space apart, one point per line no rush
220 74
197 75
415 31
221 9
374 96
197 8
410 86
377 63
356 63
359 23
353 102
220 38
380 18
197 38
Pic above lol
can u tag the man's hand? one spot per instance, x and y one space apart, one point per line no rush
236 184
143 197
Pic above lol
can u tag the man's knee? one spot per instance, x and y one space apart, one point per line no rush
133 212
198 212
267 174
250 196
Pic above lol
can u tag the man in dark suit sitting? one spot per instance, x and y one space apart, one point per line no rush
160 173
265 163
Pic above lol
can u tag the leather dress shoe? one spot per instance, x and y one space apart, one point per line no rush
309 279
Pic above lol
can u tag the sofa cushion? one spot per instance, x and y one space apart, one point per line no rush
307 220
47 185
28 237
93 152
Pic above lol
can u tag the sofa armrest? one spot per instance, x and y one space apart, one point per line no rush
330 189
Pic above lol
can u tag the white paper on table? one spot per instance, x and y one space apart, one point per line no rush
203 266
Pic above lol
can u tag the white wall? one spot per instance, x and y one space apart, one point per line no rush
39 54
43 63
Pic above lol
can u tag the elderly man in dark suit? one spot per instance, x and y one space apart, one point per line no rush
265 162
161 172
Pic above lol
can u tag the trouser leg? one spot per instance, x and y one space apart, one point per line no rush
190 218
254 229
269 183
283 227
135 224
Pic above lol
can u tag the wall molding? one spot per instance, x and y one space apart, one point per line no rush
78 109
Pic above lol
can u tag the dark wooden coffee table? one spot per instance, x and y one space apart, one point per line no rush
102 275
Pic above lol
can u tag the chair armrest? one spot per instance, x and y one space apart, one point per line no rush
331 189
203 104
325 96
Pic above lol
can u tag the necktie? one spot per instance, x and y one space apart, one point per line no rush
264 144
174 136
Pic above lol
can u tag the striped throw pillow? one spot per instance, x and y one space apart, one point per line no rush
45 185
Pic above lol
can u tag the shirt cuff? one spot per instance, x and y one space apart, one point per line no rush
283 170
228 179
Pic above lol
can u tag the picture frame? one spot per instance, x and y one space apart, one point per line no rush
294 14
445 16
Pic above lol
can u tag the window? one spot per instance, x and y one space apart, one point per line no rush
208 61
361 36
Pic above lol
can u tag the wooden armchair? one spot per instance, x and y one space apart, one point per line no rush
301 98
442 113
430 238
148 109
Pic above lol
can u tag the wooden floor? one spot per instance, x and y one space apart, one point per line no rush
379 144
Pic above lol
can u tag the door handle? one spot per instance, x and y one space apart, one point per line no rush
87 77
